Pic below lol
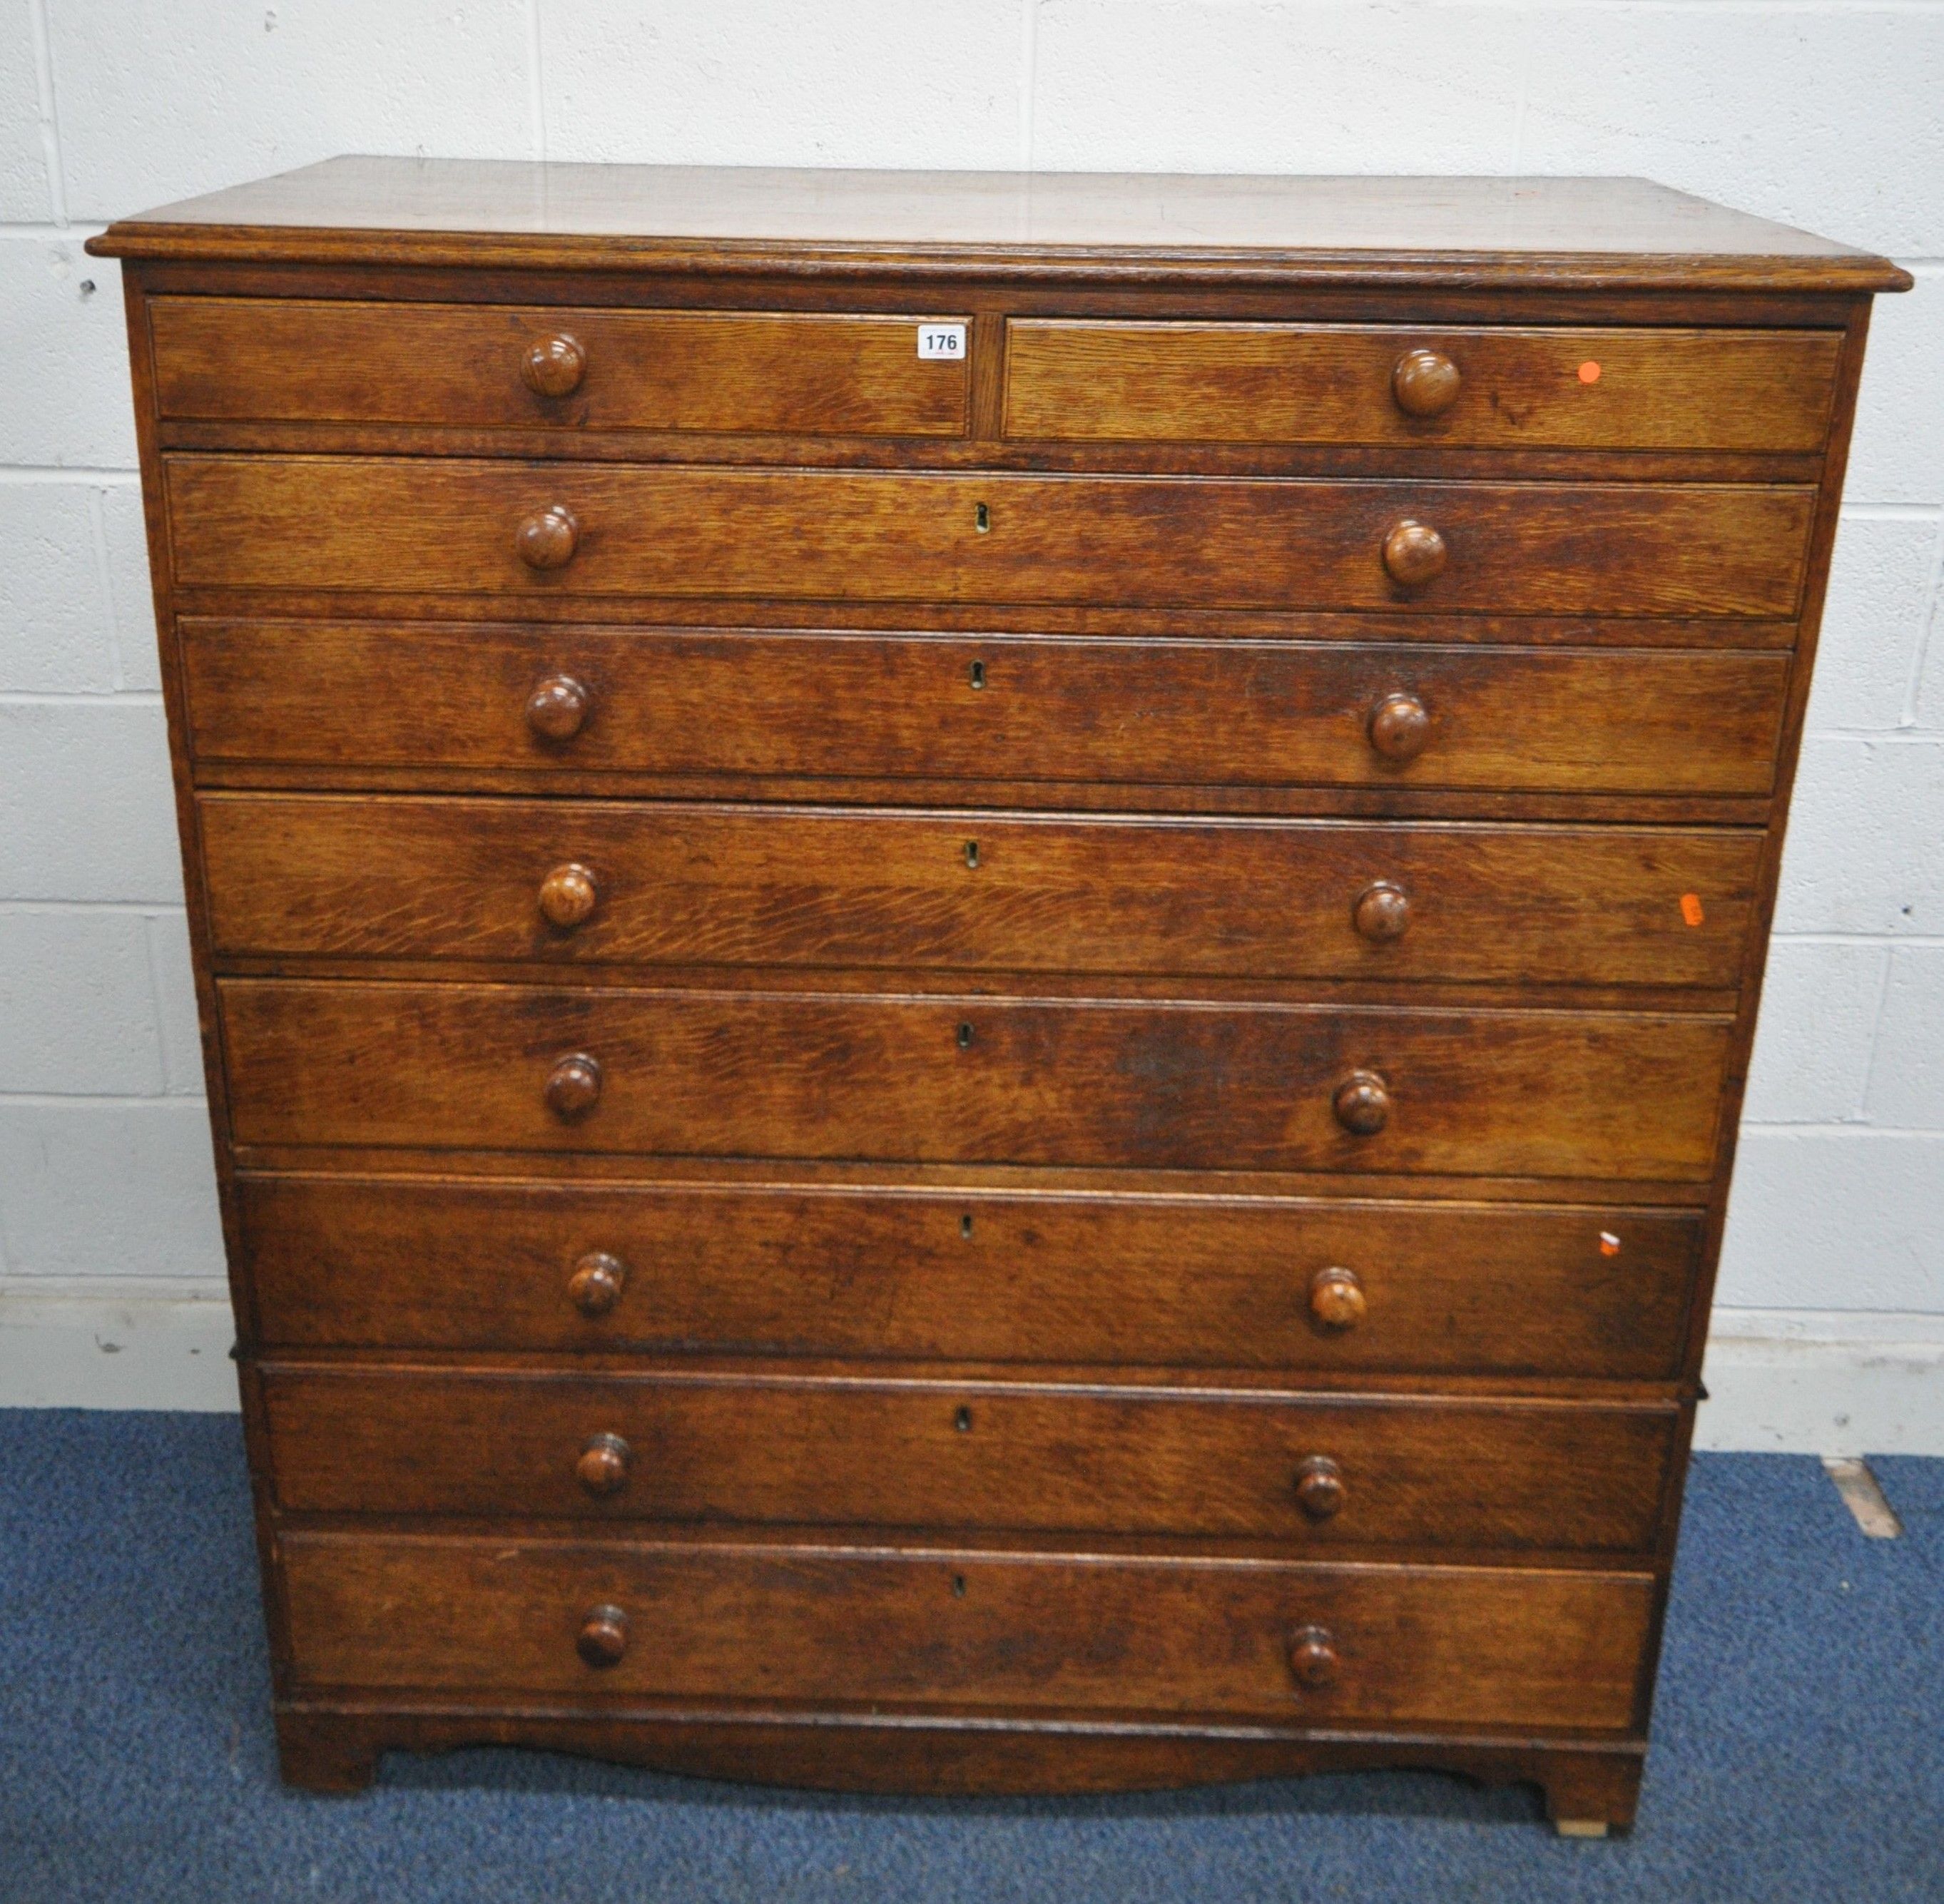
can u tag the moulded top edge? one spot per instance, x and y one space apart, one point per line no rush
1554 233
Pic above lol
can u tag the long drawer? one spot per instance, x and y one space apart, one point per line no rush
434 525
879 1451
972 1080
1582 387
457 366
597 882
348 694
983 1276
1289 1641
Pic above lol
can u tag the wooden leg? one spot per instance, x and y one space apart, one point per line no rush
1587 1794
319 1754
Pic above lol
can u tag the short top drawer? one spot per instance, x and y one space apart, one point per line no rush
456 367
1495 389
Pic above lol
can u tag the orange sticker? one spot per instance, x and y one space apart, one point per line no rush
1610 1244
1690 907
1589 372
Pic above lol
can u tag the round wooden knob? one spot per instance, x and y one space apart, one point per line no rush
603 1465
1414 554
604 1636
1425 382
573 1087
1313 1657
1382 912
1362 1104
548 538
595 1286
1336 1298
1400 727
554 366
567 896
557 708
1319 1487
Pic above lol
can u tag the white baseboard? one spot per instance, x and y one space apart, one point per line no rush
115 1343
1823 1382
1779 1381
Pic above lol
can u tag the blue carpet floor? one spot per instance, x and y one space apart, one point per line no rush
1798 1750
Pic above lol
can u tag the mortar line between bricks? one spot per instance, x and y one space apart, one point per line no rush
158 1005
1521 110
1860 1112
68 234
142 908
23 473
48 1100
134 697
97 528
111 1286
537 78
1837 7
1845 1130
1913 690
1029 78
1884 939
49 119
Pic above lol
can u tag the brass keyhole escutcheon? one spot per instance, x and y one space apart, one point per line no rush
971 853
978 674
982 519
965 1037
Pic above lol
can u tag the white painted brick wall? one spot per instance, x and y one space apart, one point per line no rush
23 167
870 82
77 1004
1820 111
109 1187
60 312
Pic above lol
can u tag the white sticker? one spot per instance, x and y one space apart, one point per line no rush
946 340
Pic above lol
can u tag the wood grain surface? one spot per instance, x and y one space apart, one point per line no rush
981 707
719 885
780 1451
1471 1646
972 1080
453 367
803 1269
1522 234
351 523
1085 380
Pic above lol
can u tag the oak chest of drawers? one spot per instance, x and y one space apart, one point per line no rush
976 953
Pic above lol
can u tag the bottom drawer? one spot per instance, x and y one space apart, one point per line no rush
1446 1646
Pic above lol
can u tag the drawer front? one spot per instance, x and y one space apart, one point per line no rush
586 882
972 1080
1320 1471
1483 1646
478 366
446 525
1079 380
989 708
974 1277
